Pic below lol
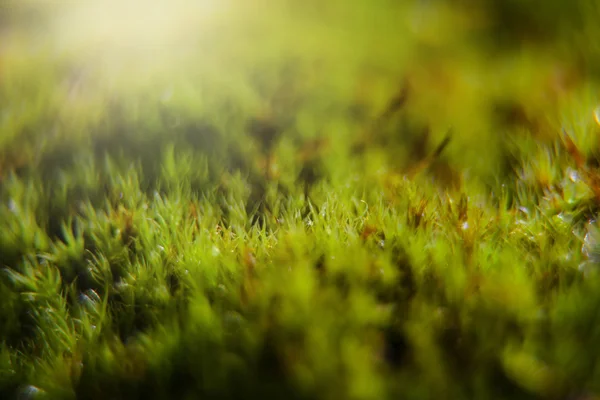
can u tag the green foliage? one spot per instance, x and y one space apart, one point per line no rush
379 201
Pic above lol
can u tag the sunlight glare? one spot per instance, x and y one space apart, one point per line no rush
130 29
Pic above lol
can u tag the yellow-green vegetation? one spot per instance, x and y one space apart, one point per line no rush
300 199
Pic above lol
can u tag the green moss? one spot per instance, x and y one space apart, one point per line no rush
345 200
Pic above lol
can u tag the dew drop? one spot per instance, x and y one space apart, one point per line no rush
30 392
573 175
12 206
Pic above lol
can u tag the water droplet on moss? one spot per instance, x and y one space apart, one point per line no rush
573 175
30 392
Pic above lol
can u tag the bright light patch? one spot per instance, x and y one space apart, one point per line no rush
133 23
146 31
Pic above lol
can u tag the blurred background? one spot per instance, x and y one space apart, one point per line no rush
484 69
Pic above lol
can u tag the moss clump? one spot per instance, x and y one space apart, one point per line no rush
322 201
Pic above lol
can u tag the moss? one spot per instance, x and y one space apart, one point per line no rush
336 200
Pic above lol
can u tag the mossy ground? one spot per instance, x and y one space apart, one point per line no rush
310 200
